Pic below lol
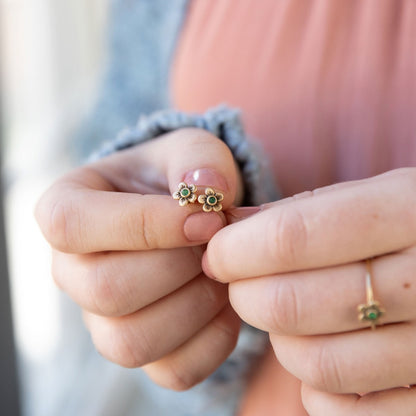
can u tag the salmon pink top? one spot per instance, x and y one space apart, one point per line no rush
327 86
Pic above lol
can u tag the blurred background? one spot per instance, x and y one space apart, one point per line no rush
72 75
51 61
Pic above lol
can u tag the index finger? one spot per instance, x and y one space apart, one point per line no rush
93 221
346 224
85 212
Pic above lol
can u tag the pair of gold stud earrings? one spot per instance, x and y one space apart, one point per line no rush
186 194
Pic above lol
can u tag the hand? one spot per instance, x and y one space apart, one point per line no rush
297 270
130 256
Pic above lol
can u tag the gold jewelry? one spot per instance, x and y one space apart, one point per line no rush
211 200
372 310
185 193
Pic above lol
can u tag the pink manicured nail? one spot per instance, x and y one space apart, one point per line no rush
206 177
202 226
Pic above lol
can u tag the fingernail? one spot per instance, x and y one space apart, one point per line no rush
206 177
238 214
202 226
205 267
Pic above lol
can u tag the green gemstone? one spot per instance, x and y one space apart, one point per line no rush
212 200
372 315
185 192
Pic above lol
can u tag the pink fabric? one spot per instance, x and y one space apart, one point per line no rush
328 86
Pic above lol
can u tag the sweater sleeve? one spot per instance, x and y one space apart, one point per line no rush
221 121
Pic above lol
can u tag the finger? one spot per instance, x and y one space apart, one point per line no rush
236 214
97 208
324 301
151 333
398 402
345 225
120 283
183 368
351 362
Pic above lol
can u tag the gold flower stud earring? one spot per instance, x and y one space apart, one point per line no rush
185 194
211 200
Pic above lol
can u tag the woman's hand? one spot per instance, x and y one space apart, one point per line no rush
297 270
130 256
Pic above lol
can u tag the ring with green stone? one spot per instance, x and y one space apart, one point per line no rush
372 310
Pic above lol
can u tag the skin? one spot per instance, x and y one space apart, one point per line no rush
130 256
134 260
296 270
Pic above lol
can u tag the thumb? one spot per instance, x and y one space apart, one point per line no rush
199 159
238 214
120 202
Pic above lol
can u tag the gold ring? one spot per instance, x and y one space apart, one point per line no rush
372 310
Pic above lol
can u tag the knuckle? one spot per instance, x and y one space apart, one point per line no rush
121 346
182 376
287 236
139 229
145 228
126 357
324 371
173 376
58 220
285 311
212 293
104 293
226 334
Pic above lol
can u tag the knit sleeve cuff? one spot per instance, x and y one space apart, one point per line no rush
221 121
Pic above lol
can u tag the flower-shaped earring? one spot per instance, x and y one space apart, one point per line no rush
211 200
185 194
